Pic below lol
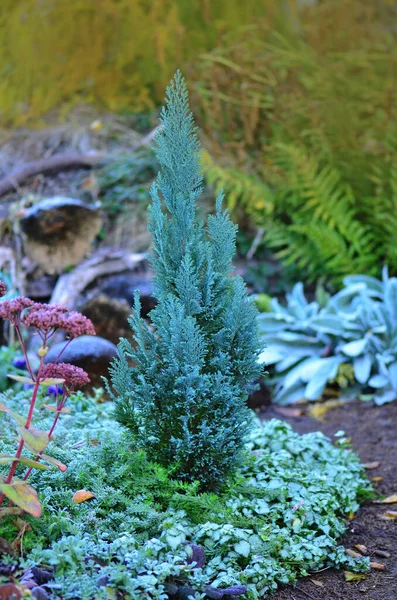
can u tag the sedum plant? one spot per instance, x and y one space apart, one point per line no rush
308 344
46 320
184 399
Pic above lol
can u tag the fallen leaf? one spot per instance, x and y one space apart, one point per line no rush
372 465
361 548
286 411
377 566
320 409
377 479
353 553
317 583
382 553
389 500
82 495
9 591
350 576
390 514
52 407
24 496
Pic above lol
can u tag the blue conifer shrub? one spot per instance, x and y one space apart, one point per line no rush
184 400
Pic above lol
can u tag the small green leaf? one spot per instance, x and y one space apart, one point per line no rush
21 420
24 496
350 576
55 462
36 438
51 381
21 379
243 548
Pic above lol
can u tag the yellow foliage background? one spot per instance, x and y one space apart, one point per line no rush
117 53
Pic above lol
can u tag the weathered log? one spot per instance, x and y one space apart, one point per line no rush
59 162
58 232
106 261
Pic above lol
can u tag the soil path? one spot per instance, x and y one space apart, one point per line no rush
373 431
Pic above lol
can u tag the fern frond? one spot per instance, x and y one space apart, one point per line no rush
242 190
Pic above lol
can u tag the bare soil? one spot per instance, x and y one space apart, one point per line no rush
373 432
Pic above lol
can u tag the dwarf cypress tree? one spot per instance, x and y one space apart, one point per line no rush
185 398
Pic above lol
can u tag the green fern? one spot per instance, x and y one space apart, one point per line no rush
316 224
242 190
308 212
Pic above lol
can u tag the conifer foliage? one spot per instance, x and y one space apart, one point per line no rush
184 399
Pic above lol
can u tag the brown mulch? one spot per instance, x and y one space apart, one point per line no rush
373 432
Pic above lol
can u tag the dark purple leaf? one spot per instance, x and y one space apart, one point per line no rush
184 592
39 593
198 556
41 576
102 581
217 593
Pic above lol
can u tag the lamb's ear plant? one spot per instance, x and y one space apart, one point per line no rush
309 344
184 399
45 319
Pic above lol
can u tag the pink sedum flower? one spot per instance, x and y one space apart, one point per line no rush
45 317
10 310
3 289
76 324
73 376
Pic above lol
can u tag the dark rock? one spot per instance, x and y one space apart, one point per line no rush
57 232
124 286
40 288
91 353
109 316
260 398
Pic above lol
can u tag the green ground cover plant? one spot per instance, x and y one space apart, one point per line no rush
352 334
144 532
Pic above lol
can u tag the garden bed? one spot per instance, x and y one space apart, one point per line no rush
373 434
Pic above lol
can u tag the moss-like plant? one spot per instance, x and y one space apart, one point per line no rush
185 398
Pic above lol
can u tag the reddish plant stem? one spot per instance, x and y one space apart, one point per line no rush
17 329
27 425
59 409
63 350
